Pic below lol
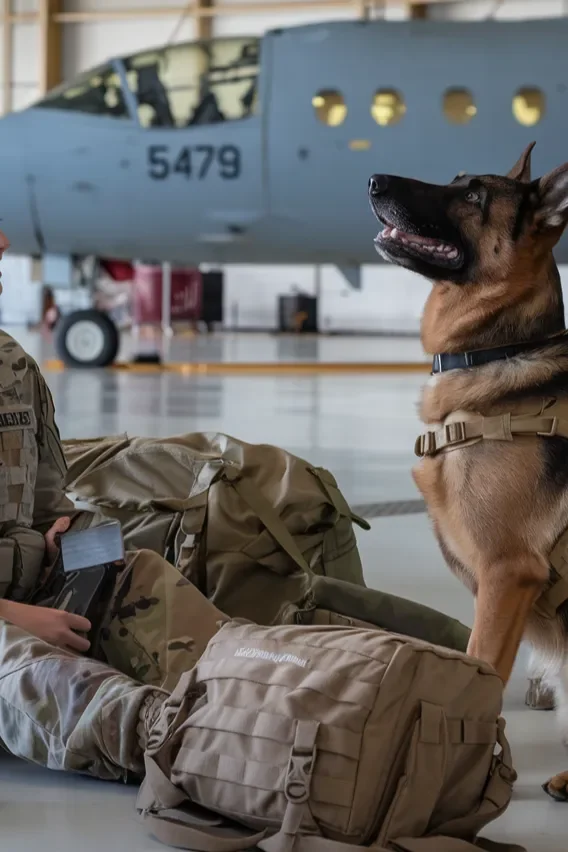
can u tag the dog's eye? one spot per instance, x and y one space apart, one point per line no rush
472 197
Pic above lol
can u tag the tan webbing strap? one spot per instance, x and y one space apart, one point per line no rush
499 428
464 731
158 794
280 729
428 758
157 789
182 835
275 526
296 788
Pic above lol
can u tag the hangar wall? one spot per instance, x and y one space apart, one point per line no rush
390 300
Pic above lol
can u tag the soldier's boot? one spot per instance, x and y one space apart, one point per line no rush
72 713
342 602
159 623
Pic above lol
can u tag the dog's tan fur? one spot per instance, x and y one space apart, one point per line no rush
494 509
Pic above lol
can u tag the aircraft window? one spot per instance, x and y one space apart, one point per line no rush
98 92
388 107
529 105
196 83
459 106
330 107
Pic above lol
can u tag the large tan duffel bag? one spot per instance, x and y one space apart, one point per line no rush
321 739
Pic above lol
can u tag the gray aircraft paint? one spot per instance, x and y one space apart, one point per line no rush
282 187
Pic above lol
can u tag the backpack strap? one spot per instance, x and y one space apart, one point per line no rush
158 795
252 495
182 835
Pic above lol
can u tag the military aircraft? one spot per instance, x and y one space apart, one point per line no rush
245 150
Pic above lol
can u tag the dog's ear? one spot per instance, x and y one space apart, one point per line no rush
521 171
552 207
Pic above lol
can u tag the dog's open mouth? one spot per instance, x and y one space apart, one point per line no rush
395 244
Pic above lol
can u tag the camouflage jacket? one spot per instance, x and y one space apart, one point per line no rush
32 470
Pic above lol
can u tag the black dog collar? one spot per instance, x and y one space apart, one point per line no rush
461 360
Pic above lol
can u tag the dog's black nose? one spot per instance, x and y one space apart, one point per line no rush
377 185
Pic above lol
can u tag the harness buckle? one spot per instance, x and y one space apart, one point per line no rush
454 432
552 431
425 445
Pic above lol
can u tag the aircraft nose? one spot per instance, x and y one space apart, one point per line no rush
377 185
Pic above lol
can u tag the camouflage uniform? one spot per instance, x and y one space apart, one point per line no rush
144 635
71 713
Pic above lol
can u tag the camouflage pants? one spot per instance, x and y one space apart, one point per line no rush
71 713
158 623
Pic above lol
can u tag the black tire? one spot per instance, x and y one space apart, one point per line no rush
104 339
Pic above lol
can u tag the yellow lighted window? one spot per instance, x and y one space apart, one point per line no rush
388 107
330 107
528 106
459 107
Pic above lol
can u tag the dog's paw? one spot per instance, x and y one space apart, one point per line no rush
557 787
539 696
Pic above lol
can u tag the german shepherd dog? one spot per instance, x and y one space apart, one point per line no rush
498 507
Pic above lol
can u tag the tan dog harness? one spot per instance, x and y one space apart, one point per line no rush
547 419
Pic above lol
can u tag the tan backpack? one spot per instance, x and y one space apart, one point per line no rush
248 524
322 739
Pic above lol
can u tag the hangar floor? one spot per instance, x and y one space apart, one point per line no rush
363 428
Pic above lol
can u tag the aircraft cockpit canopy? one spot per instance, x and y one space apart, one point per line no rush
179 85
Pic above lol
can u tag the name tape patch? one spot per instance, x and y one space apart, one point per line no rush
271 656
15 418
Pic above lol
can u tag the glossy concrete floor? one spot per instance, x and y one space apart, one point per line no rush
363 429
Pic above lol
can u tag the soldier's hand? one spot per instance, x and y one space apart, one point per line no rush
52 625
60 526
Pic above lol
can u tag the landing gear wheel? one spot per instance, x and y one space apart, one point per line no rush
86 339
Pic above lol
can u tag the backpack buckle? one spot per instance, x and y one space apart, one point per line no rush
299 777
301 764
